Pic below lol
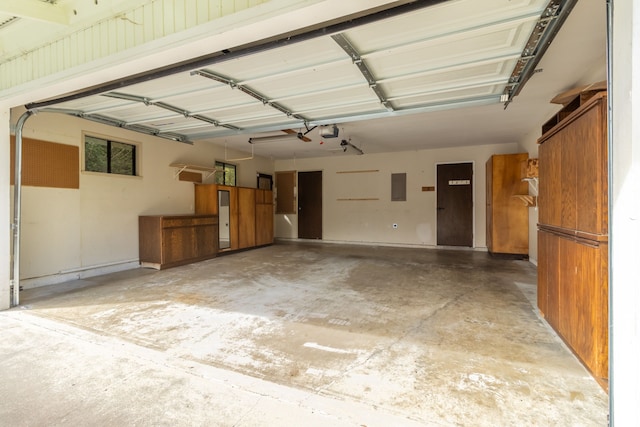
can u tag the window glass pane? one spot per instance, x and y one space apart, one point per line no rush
219 175
95 155
102 155
265 182
229 174
122 158
225 174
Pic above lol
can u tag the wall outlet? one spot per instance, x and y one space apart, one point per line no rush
395 226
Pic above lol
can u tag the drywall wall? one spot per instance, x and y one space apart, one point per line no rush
530 145
5 213
371 221
624 238
75 233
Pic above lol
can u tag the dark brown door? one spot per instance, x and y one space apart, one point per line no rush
455 204
310 205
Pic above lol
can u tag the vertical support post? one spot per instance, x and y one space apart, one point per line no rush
17 201
5 209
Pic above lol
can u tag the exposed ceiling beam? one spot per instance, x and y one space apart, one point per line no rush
36 10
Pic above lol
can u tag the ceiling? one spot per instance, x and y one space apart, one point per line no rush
429 78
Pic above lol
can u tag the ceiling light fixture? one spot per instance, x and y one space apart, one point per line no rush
271 138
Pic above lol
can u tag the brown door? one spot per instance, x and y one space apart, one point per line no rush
310 205
455 204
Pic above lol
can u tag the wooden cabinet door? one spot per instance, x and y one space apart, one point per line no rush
551 267
550 182
246 217
591 167
206 240
264 224
489 203
507 216
264 217
543 272
568 175
178 244
206 199
590 322
567 287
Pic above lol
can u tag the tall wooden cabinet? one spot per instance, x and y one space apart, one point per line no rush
220 200
245 215
573 233
507 216
264 217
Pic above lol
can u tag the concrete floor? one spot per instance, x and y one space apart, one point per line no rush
295 334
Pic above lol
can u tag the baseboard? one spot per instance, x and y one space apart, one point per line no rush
79 273
384 244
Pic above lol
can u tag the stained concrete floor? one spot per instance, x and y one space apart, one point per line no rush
295 334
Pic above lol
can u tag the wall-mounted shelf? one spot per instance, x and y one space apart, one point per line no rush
181 167
529 173
360 171
533 185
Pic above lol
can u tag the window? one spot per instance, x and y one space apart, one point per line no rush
225 173
265 182
103 155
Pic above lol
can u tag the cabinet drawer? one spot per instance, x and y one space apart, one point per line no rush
187 222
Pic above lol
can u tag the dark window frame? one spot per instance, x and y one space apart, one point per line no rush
261 177
109 156
221 177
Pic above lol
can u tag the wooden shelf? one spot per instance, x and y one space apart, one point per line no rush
187 167
360 171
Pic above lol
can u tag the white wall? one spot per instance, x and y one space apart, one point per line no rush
5 212
69 233
371 221
624 235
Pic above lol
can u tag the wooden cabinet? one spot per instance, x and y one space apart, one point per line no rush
220 200
507 216
246 217
573 295
171 240
245 214
572 233
573 172
264 217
